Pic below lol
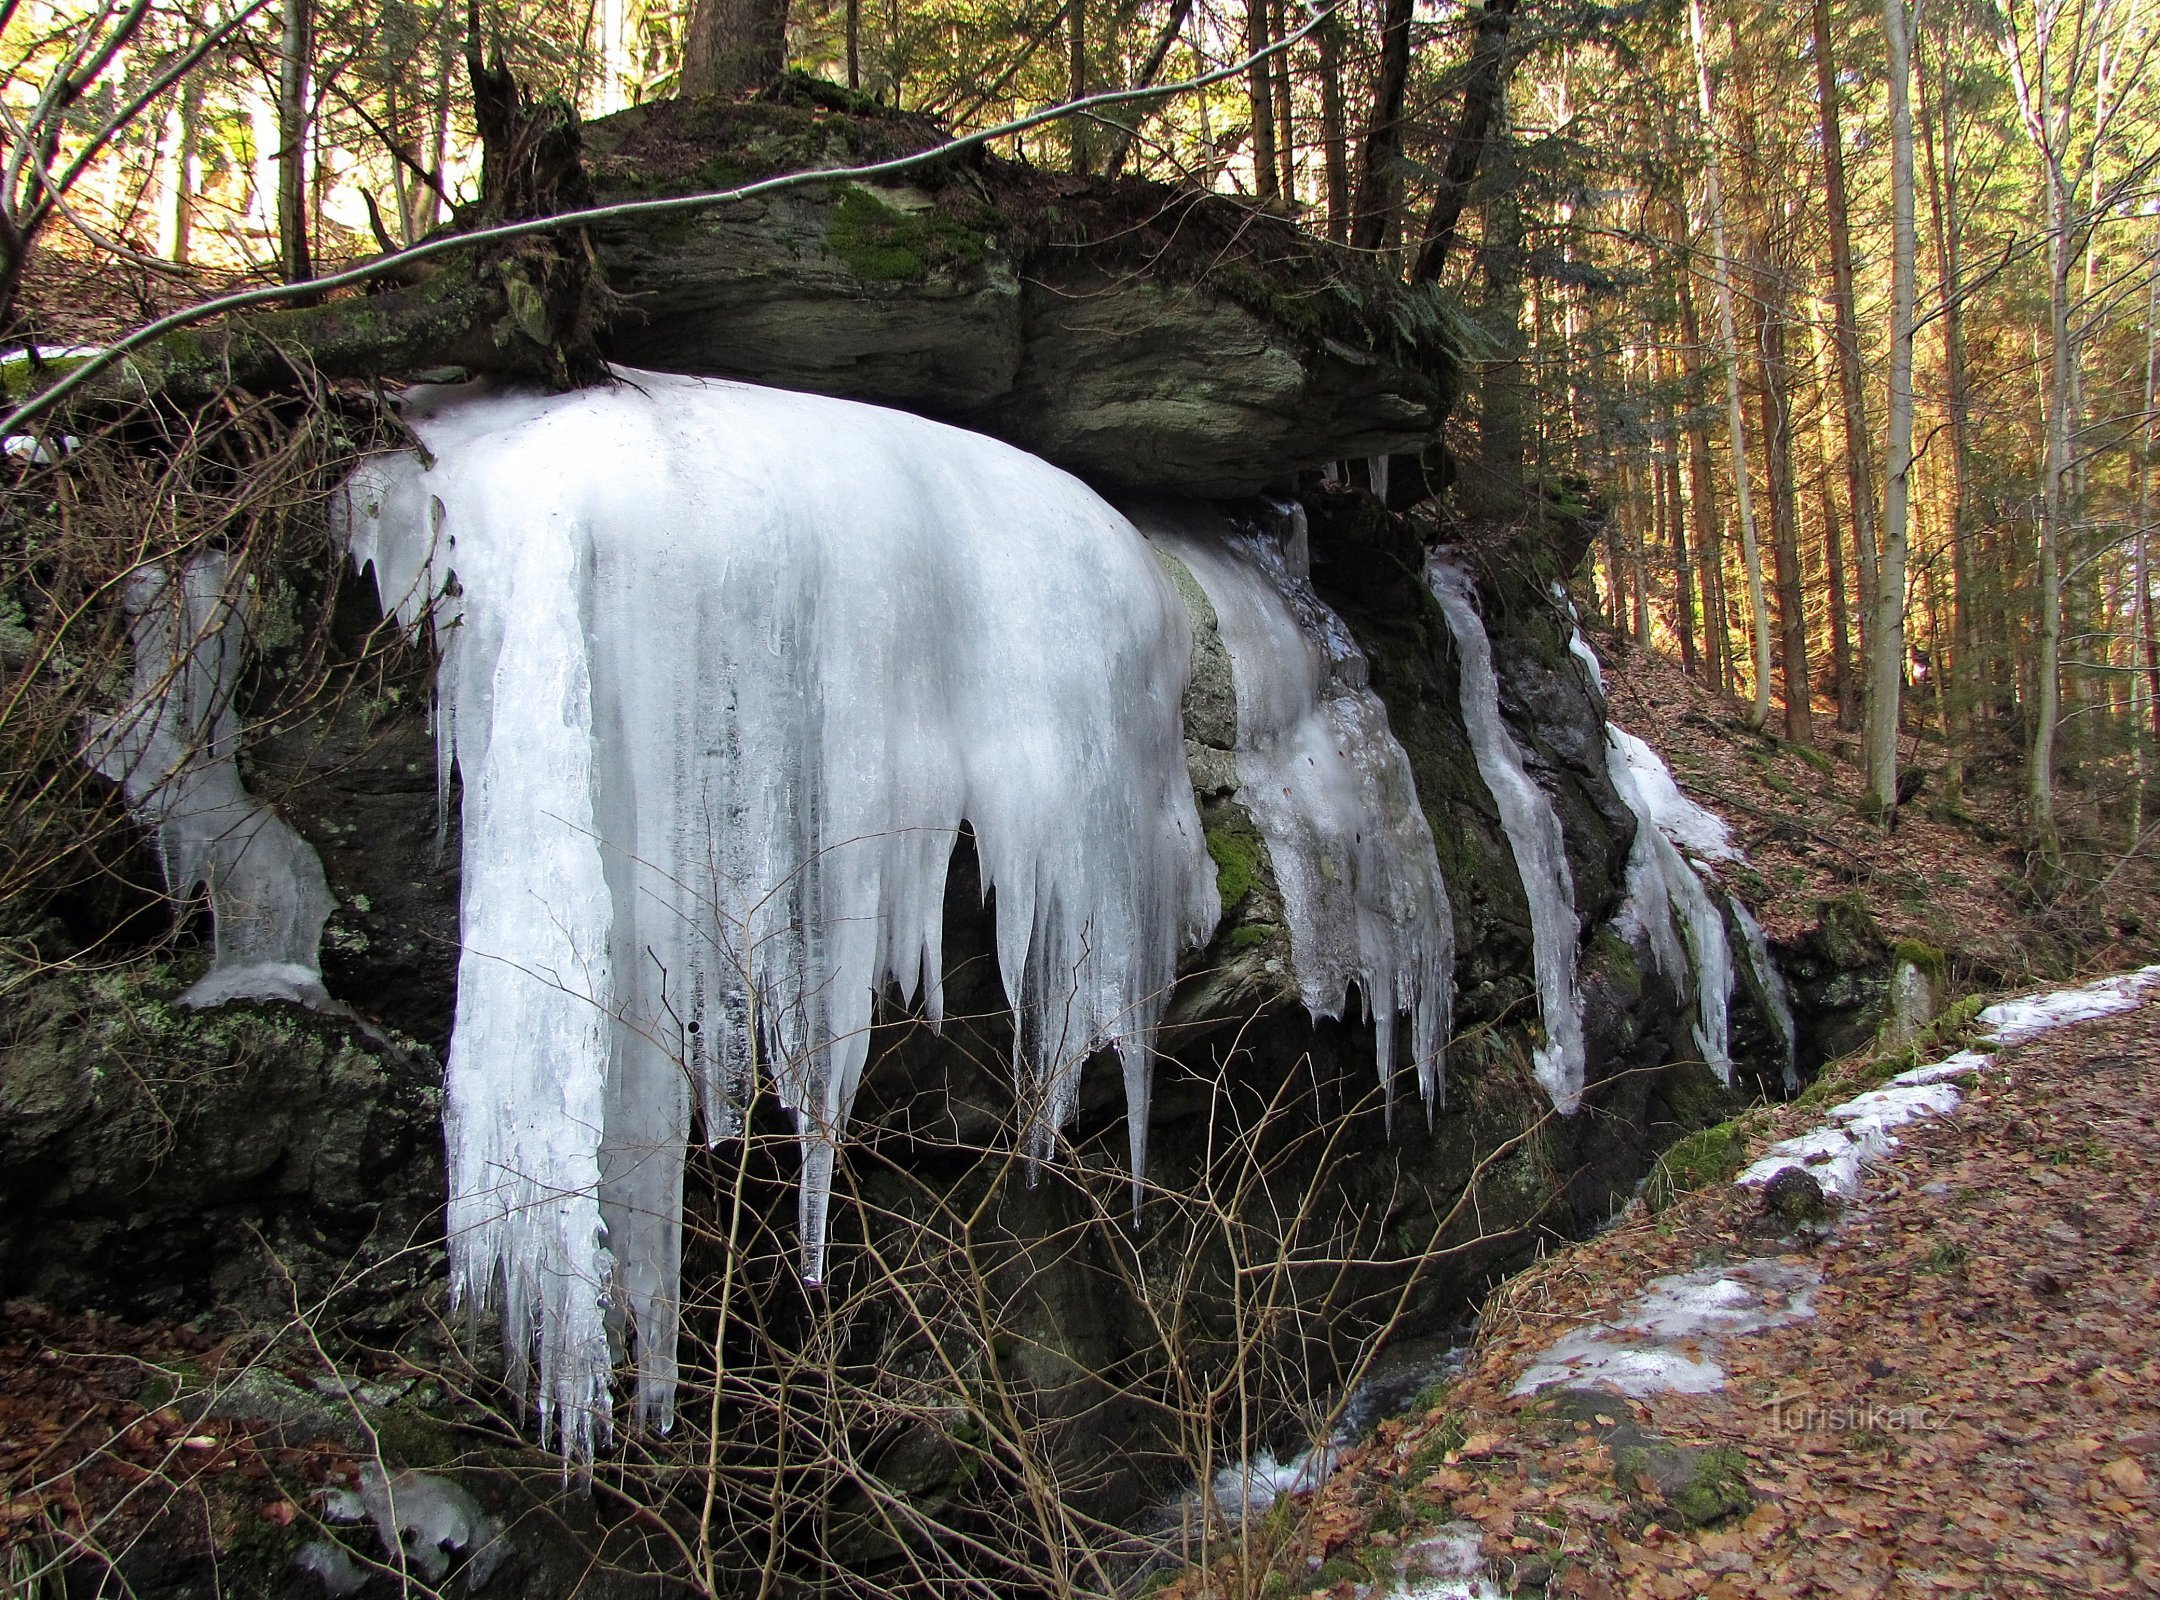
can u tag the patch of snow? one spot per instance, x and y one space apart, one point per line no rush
726 670
1329 787
1962 1065
1447 1564
1667 1339
2014 1021
37 449
173 750
1533 832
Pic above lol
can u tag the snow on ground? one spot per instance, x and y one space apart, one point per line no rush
1667 1340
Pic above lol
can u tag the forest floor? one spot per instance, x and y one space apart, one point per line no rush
1956 1392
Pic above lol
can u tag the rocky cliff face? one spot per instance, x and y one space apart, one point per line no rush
170 1163
1144 338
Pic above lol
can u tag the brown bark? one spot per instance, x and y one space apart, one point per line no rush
1285 122
1702 491
1860 493
1380 156
1490 60
1260 93
1334 137
731 47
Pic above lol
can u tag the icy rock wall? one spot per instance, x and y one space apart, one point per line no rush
1329 787
725 670
174 752
1663 888
1533 832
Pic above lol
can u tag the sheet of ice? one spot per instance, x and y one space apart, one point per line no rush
2014 1021
1663 886
1668 1339
431 1520
1700 833
1533 832
1447 1564
1771 984
1962 1065
332 1565
1330 789
174 752
725 670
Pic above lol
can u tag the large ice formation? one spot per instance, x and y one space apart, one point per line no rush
1329 787
1777 999
725 671
1533 833
174 752
1663 887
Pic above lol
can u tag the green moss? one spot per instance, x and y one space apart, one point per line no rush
1252 935
883 244
411 1438
1237 865
1717 1490
1708 1156
1931 963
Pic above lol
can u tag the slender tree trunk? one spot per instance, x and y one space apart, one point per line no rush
1844 682
1285 121
1668 435
1490 61
294 45
1886 637
1380 155
1960 682
1260 91
1151 69
854 44
1076 80
1860 493
1775 396
1702 484
1334 137
1729 357
2147 466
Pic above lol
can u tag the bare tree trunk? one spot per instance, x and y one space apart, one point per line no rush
854 44
1886 637
1382 150
1285 121
1960 682
1076 80
1859 485
2147 466
1334 137
1844 681
1668 446
1702 491
1490 60
1775 370
733 46
1165 40
1260 92
1729 356
294 43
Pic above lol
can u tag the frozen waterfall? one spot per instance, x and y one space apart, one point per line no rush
1328 785
725 670
1777 999
1662 887
1533 832
174 752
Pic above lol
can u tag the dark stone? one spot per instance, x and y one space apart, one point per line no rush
1793 1194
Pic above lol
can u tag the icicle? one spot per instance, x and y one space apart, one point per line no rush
1533 831
1330 789
1662 886
1775 995
726 669
1700 833
173 752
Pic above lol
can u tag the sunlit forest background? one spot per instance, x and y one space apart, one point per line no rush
1844 313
